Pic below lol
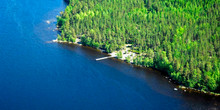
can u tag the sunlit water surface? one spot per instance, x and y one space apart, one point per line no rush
36 75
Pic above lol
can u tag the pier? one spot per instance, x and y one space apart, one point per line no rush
103 58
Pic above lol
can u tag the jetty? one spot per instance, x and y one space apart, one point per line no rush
103 58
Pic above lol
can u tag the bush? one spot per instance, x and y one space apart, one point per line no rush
119 54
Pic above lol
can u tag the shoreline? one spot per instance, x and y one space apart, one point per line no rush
133 55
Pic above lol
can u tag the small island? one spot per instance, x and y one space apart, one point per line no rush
178 37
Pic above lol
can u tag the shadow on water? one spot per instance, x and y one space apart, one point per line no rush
147 83
156 80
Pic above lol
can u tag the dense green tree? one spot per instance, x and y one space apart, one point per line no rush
180 37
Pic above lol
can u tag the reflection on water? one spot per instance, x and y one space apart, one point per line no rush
40 75
155 80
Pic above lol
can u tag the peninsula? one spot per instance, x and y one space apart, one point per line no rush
179 37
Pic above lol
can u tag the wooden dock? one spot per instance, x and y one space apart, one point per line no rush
103 58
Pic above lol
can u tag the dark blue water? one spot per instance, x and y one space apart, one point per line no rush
36 75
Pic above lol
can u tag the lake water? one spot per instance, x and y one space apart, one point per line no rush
37 75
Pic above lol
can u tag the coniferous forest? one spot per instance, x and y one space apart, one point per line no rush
180 37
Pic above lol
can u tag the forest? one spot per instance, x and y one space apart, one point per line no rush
180 37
